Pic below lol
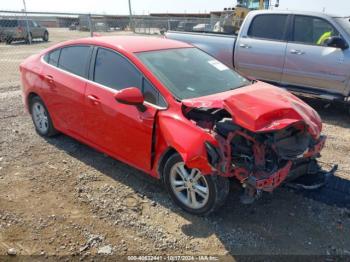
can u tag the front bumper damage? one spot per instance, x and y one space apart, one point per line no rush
260 135
258 178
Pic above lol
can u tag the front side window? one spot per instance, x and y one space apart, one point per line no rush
190 72
151 94
344 22
269 26
115 71
75 59
312 30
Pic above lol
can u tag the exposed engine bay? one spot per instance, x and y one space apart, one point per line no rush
260 161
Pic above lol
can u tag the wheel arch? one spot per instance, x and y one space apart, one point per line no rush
29 99
164 158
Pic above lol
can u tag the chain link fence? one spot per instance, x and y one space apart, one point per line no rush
157 25
23 34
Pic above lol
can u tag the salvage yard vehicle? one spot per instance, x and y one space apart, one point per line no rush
307 53
174 112
17 29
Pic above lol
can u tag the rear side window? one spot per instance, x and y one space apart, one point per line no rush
268 27
115 71
75 59
8 23
52 57
312 30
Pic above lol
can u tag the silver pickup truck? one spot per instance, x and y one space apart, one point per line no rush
307 53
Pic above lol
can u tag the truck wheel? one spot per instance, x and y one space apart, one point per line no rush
41 118
46 36
192 191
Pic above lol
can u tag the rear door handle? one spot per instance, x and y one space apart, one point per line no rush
245 46
296 52
49 79
94 99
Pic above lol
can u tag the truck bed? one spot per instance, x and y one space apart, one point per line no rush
218 45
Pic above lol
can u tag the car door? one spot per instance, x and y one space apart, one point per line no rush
309 62
64 86
260 49
37 30
32 29
120 130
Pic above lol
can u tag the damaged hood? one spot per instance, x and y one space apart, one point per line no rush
261 107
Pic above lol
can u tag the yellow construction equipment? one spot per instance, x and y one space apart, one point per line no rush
232 18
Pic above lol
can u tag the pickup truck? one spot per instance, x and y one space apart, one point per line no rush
304 52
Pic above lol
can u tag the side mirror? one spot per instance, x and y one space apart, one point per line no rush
337 42
130 96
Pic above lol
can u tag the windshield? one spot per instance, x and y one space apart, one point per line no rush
189 72
344 22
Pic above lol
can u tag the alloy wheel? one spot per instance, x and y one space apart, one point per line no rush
40 117
189 186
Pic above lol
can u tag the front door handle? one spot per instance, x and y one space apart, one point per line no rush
94 99
245 46
296 52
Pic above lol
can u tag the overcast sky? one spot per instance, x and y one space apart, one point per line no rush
339 7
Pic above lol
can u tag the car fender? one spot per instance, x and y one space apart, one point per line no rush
187 139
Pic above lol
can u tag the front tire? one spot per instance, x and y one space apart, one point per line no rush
193 192
41 118
46 36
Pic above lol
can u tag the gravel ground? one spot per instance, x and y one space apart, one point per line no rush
60 197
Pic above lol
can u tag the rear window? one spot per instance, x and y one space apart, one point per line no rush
75 59
8 23
268 27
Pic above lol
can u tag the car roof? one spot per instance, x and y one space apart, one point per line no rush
132 44
295 12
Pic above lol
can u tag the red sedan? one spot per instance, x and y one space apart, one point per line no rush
174 112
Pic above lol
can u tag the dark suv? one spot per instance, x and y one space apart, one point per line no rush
16 29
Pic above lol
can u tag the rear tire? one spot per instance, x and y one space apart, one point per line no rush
41 118
195 193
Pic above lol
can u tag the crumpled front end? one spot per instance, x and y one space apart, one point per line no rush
261 137
262 160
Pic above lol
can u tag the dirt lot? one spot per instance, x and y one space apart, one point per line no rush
59 197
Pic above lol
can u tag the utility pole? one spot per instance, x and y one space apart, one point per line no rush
131 24
27 23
